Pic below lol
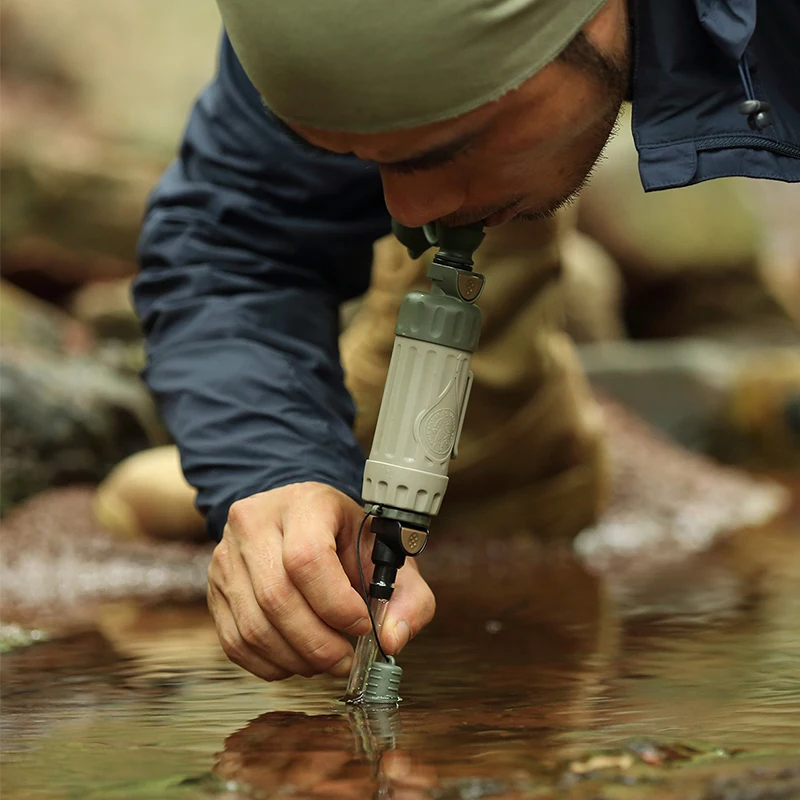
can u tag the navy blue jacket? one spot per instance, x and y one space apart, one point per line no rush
250 242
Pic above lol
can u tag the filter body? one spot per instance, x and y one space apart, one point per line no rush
418 425
424 401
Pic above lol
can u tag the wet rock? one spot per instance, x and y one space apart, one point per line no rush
90 119
67 420
719 258
697 229
58 562
24 57
106 308
761 421
26 321
73 201
592 290
135 94
736 403
74 216
729 305
667 503
679 387
778 207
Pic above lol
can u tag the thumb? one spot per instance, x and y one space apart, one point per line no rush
411 608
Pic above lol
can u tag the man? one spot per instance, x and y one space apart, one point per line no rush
324 119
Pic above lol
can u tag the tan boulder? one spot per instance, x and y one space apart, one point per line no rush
704 228
94 99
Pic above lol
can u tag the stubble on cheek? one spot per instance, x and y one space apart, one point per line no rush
562 187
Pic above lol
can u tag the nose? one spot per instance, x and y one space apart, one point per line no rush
414 200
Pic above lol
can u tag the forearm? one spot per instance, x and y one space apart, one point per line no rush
247 249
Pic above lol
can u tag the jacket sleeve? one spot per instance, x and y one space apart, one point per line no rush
248 247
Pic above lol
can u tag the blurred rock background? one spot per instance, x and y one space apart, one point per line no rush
94 96
710 302
686 302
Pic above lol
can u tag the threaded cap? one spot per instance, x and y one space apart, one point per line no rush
439 319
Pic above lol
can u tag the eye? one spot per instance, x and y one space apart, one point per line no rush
428 162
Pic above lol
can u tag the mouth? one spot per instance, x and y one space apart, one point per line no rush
501 217
490 216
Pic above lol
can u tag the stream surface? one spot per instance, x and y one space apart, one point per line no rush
536 679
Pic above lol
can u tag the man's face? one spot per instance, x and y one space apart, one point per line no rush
522 156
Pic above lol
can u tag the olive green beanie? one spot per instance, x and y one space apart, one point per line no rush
377 65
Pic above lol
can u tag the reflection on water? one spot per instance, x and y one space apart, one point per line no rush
533 676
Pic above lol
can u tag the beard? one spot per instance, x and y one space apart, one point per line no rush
592 146
601 135
611 73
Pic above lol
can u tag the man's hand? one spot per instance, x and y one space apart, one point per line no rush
281 585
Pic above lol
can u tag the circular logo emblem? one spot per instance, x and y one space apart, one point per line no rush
440 431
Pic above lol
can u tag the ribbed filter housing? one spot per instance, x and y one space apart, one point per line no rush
383 683
417 426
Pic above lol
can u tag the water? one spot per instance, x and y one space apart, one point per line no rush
534 678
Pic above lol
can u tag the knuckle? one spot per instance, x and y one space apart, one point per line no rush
232 645
251 631
220 554
324 501
300 561
219 566
323 654
273 597
240 513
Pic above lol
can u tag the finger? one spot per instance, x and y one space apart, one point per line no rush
411 608
260 636
288 611
229 578
314 567
234 646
